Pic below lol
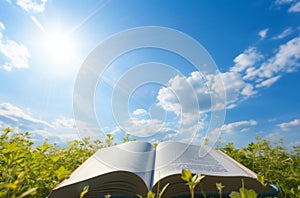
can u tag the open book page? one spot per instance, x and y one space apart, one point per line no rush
172 157
135 157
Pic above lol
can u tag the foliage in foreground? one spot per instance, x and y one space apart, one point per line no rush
37 169
32 171
273 161
193 181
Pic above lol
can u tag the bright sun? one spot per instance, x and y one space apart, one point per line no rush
59 47
59 51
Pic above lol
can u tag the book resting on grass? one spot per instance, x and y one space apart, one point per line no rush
133 168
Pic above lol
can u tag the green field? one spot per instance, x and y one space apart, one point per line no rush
27 170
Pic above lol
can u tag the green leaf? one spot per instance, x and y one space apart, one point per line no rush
235 195
39 148
54 158
244 193
197 178
84 191
150 194
250 194
9 186
219 186
61 173
186 175
163 190
12 147
191 184
31 191
261 179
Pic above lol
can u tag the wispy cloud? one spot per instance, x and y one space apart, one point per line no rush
268 82
263 33
274 137
295 7
32 5
284 34
64 123
15 55
284 61
281 2
285 126
59 131
240 126
17 117
292 144
145 128
139 112
2 27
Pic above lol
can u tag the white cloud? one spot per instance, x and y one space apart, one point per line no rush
234 85
284 34
295 7
240 126
190 134
248 90
249 73
16 55
244 79
292 144
59 131
16 116
246 59
273 137
181 95
195 97
268 82
236 88
39 136
289 125
210 92
64 123
145 127
32 5
281 2
2 27
168 100
192 113
285 60
139 112
263 33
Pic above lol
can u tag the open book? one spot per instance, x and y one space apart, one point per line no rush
135 168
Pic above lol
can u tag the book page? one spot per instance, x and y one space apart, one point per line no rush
172 157
135 157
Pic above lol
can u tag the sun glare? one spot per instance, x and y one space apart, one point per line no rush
59 47
59 54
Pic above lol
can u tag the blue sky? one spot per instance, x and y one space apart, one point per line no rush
254 44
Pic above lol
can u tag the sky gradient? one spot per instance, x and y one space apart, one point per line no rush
254 44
